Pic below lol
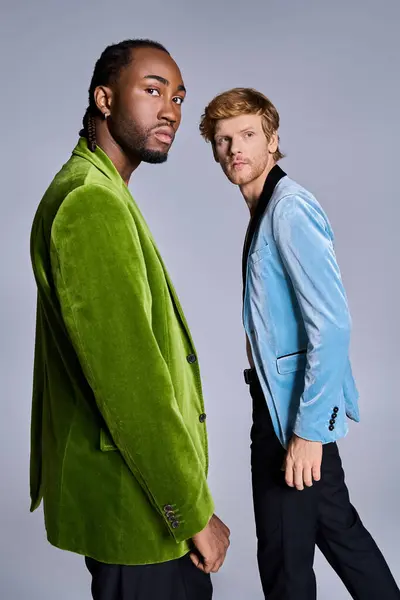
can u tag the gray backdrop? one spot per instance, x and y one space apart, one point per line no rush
332 69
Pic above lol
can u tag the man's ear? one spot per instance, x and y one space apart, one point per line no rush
103 97
273 143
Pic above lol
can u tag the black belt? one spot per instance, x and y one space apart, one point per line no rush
250 376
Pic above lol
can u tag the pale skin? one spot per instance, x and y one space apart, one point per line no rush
246 156
149 93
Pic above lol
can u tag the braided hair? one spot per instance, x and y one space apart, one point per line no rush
106 72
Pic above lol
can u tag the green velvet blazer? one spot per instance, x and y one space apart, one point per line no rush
118 435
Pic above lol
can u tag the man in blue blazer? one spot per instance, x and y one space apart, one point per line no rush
298 325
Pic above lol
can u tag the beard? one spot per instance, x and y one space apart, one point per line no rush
252 171
134 141
238 178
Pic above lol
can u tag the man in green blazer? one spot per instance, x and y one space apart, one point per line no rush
118 439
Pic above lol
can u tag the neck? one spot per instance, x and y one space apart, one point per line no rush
251 191
124 164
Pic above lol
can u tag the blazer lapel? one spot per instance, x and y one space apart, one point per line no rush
274 176
170 285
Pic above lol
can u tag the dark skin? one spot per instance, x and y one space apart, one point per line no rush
148 95
142 113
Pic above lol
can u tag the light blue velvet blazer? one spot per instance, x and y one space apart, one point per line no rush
297 319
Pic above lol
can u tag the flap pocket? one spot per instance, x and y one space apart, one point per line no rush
106 442
292 362
260 253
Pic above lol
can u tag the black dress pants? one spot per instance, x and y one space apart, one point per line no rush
289 523
174 580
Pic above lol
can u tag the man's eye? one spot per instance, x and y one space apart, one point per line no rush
249 134
178 100
153 91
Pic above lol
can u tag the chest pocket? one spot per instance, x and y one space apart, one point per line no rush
259 254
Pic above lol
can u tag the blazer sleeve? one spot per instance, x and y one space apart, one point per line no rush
101 282
304 241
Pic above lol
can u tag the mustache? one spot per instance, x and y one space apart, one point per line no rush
164 125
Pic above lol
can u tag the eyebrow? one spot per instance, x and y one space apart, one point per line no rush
181 88
241 131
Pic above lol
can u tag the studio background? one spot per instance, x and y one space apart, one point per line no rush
332 69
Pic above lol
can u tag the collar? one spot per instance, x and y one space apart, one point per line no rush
100 160
273 177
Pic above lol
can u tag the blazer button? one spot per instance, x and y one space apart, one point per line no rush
175 524
202 417
168 508
336 409
191 358
331 427
333 415
332 421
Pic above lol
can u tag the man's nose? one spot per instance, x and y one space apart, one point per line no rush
235 146
168 112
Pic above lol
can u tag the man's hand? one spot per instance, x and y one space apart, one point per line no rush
303 463
212 544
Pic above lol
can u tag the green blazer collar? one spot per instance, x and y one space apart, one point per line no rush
100 160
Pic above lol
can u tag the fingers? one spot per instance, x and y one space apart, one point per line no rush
197 561
211 546
208 566
303 463
217 566
298 477
218 563
307 476
211 564
289 478
316 471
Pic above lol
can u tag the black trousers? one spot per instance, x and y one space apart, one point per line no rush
289 523
175 580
